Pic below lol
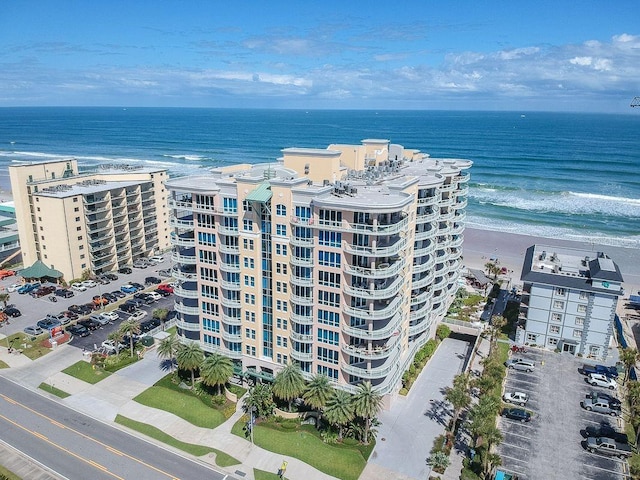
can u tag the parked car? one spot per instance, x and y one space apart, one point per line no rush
13 287
128 288
100 301
128 307
140 264
611 372
118 294
48 323
604 396
604 430
111 276
112 347
161 292
125 270
599 380
89 284
28 288
111 316
156 258
6 273
600 406
165 272
165 287
78 330
33 330
138 315
149 325
609 447
145 298
155 296
517 398
102 280
64 293
78 286
110 296
12 312
90 324
520 364
59 317
99 319
519 414
152 281
70 315
137 285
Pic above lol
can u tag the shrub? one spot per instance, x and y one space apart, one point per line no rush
218 400
443 331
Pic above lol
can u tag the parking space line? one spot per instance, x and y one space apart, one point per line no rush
518 435
605 469
514 446
516 460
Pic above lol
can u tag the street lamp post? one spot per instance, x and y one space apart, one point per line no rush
251 424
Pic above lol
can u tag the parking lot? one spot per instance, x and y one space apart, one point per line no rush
35 309
551 445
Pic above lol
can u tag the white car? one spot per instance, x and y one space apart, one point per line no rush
13 287
78 286
156 258
517 398
89 283
599 380
154 295
111 316
111 346
138 315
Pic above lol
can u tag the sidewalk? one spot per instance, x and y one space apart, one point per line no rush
114 395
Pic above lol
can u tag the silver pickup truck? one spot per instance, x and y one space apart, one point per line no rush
601 406
608 446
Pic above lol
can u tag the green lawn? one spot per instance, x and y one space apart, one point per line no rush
222 459
8 474
3 365
262 475
172 330
183 404
52 389
85 372
30 348
341 461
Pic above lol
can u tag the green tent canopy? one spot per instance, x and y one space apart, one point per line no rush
39 270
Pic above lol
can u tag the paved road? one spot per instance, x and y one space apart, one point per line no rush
408 430
77 446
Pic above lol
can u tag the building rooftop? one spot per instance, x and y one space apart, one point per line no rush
571 268
83 188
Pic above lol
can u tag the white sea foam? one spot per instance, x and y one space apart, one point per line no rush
563 202
192 158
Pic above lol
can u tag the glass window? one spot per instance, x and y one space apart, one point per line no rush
281 210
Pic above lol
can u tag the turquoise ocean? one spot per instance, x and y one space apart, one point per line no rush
573 176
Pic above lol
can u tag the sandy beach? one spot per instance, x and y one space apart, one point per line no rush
482 245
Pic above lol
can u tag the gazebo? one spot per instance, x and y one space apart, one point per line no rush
40 271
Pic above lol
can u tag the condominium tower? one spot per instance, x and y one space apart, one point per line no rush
569 300
340 259
98 220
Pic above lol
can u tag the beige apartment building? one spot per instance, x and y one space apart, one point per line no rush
97 220
341 259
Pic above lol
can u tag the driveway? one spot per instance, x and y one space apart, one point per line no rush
409 428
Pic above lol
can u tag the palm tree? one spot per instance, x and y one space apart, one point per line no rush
492 268
216 370
629 357
497 322
366 404
160 314
190 357
491 436
116 336
289 383
130 328
318 391
4 298
260 399
458 396
339 410
168 349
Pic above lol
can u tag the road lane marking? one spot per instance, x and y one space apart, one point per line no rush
58 424
98 466
115 451
83 435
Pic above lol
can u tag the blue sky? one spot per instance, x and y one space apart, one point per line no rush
463 55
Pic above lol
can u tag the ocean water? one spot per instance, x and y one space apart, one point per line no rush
558 175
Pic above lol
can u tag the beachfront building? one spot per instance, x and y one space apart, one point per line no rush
97 220
569 300
340 259
9 239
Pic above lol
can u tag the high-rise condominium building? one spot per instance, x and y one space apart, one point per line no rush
99 220
569 300
342 260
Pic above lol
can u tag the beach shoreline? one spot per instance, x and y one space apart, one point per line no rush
509 248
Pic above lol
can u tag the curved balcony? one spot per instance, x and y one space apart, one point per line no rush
441 310
183 222
383 270
302 319
225 211
229 320
462 191
421 297
440 282
192 327
230 337
231 249
447 215
425 235
301 356
421 327
447 187
380 290
173 203
230 285
422 251
307 301
372 373
461 204
427 217
365 228
183 259
178 273
302 261
181 308
420 313
424 281
461 216
376 314
301 281
184 293
302 242
424 266
231 302
428 200
457 229
444 229
461 178
375 351
380 250
378 334
299 337
233 354
301 221
448 202
230 267
228 230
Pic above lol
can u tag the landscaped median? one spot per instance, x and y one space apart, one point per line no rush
344 460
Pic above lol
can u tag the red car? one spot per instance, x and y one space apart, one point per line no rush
165 287
6 273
